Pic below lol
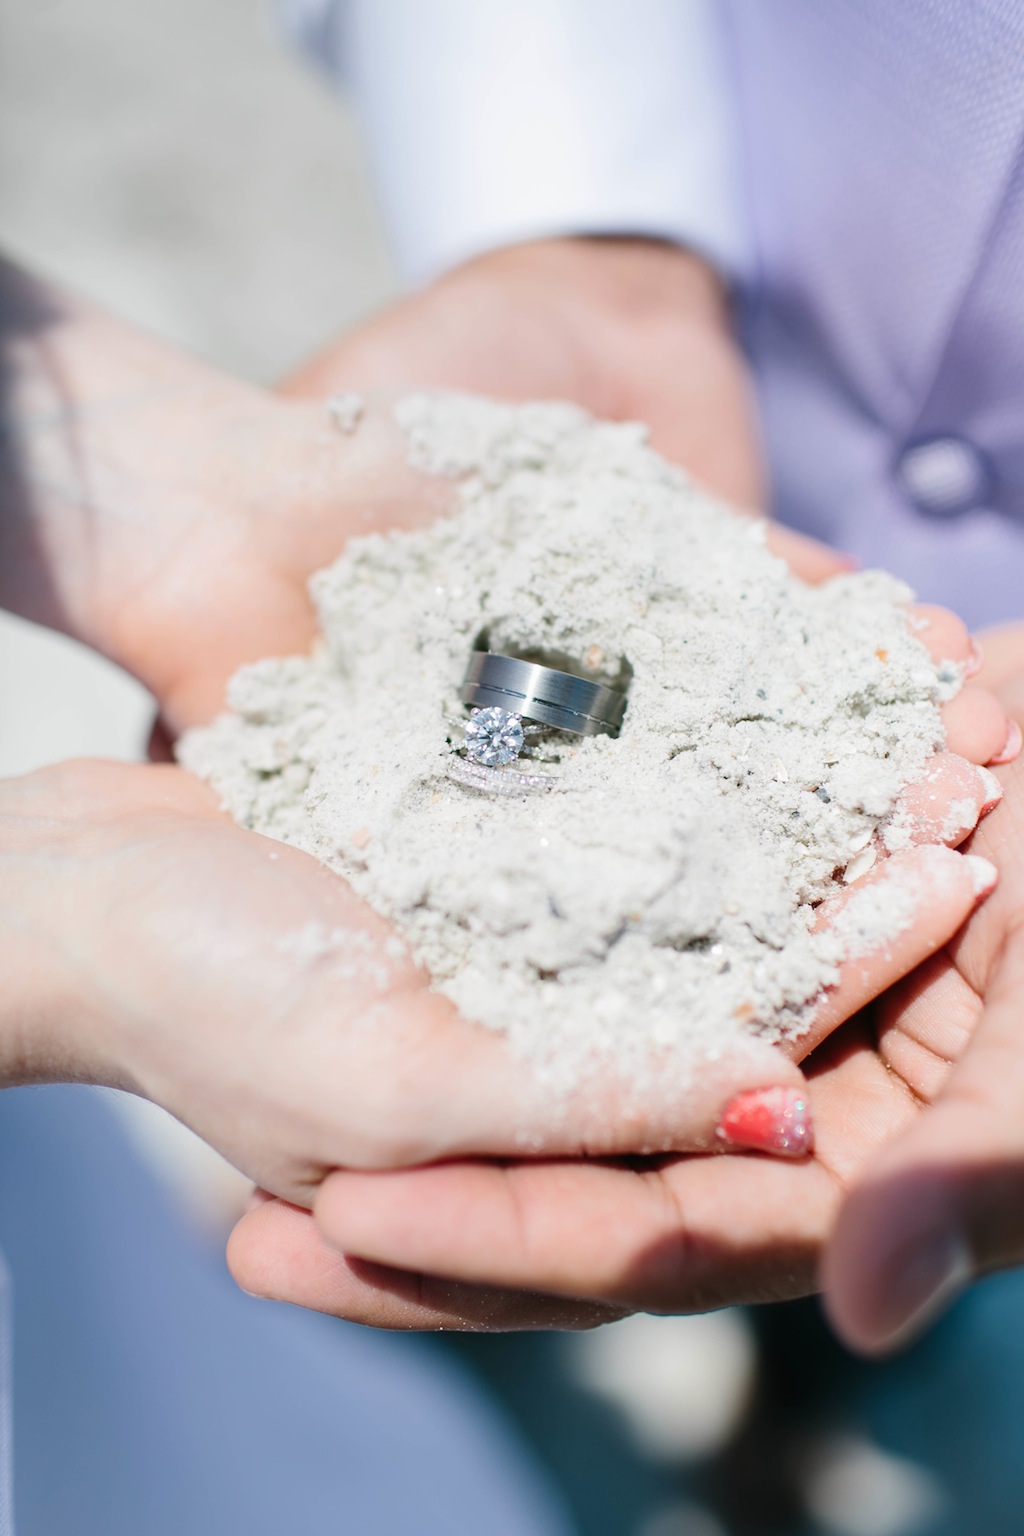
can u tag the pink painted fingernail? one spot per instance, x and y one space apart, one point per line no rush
776 1120
1014 741
975 660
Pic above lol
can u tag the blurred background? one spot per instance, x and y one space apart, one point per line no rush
218 197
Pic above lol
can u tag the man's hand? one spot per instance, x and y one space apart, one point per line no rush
633 330
944 1202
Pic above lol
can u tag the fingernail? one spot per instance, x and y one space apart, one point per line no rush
975 660
984 874
992 790
1012 747
922 1281
776 1120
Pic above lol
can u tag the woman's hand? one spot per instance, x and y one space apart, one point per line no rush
149 943
558 1244
555 1243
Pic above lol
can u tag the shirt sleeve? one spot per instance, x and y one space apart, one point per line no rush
495 121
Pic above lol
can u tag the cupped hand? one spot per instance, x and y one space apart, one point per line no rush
556 1243
630 329
151 944
543 1243
246 495
943 1204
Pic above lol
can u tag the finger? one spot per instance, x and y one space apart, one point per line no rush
697 1234
924 1023
807 558
495 1104
946 1201
890 921
944 805
943 634
276 1252
978 728
751 1096
689 1235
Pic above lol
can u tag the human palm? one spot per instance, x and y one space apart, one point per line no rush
232 980
943 1202
516 1243
259 1043
492 1246
241 985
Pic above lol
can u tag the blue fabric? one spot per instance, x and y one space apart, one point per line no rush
152 1398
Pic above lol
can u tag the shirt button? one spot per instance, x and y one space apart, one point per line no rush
943 476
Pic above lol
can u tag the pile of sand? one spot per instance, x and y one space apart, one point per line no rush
664 896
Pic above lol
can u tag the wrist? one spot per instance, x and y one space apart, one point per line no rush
631 277
49 1017
108 435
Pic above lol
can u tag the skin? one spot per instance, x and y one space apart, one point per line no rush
631 329
942 1203
169 517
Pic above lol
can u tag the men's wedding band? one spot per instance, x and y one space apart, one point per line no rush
543 694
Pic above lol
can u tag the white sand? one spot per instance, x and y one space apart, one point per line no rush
664 897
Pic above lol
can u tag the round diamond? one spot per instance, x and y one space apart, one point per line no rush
494 737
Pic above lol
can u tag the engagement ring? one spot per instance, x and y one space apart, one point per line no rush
504 692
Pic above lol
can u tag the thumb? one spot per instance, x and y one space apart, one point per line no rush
947 1200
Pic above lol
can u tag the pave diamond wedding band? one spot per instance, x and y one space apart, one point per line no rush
557 699
493 740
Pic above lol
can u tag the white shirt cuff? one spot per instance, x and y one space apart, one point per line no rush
495 121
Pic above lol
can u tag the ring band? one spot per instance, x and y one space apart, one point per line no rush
543 694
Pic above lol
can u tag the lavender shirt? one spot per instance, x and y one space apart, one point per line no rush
882 146
854 166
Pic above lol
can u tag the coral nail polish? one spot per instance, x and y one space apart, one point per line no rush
776 1120
1013 745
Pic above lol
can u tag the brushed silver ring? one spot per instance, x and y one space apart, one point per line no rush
557 699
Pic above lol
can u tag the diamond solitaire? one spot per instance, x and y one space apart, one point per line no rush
494 737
